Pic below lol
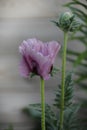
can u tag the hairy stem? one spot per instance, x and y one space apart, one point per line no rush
42 105
63 80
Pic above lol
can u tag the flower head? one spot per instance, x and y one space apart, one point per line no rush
38 57
67 21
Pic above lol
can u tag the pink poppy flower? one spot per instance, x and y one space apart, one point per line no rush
38 57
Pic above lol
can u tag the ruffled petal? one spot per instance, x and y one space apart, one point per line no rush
22 48
35 44
53 47
43 63
24 68
46 69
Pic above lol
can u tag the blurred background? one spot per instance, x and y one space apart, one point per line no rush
20 20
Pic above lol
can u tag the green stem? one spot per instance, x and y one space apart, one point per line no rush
63 80
42 105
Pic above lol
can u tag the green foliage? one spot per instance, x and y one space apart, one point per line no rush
79 8
68 92
35 111
52 118
54 71
10 127
70 118
32 75
83 115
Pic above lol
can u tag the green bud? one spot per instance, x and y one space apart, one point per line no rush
75 25
65 20
68 22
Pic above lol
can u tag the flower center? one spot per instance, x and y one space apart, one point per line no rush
35 67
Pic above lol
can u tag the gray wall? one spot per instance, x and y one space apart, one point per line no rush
30 8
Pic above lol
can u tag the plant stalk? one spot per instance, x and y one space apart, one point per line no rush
42 105
63 80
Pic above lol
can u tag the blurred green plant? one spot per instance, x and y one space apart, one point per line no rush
79 59
10 127
71 122
79 7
